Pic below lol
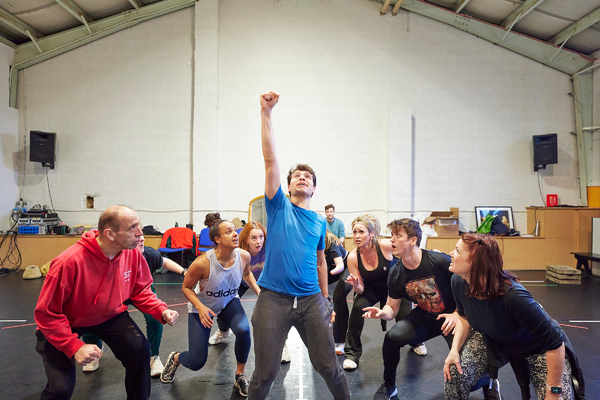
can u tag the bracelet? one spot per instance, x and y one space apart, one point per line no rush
183 272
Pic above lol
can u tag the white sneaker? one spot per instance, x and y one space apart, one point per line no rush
420 350
92 366
218 336
156 366
349 364
339 349
285 355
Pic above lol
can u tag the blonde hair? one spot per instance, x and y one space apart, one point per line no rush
370 222
331 239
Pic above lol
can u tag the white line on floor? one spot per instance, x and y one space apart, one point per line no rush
581 320
13 320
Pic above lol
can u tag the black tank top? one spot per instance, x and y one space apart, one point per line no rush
375 281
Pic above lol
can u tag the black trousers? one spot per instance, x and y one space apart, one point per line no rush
416 327
126 341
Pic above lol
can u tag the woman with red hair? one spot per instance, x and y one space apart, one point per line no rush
499 321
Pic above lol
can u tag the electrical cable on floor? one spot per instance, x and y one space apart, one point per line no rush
10 239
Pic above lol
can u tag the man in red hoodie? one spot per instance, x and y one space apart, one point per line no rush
84 292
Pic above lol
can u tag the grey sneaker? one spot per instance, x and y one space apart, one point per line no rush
168 374
241 384
386 392
492 391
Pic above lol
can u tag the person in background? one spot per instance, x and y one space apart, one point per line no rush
498 317
84 293
211 285
294 279
154 328
210 219
336 257
335 225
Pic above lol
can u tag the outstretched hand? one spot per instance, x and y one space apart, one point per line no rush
372 313
268 100
353 280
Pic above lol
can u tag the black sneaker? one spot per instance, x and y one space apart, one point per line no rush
168 374
386 392
492 391
241 384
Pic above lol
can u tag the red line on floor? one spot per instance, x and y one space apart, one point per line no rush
575 326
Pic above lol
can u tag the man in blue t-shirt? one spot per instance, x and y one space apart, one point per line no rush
335 225
294 279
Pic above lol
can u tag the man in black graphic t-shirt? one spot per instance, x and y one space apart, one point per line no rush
423 277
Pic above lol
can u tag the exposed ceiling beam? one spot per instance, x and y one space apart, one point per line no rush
7 41
567 61
18 24
27 54
525 8
136 4
459 5
576 27
74 10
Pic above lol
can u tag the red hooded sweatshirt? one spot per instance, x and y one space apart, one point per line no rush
85 288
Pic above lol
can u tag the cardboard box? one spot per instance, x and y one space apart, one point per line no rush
445 223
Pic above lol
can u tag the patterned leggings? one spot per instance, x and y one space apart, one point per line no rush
473 360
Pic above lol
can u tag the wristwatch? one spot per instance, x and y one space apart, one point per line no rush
183 272
554 389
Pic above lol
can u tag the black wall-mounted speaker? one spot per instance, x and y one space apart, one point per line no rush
545 150
43 146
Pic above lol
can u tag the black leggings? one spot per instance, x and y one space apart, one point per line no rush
126 341
417 327
348 326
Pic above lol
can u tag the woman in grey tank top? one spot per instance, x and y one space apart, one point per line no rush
211 286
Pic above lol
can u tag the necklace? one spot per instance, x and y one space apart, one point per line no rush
371 259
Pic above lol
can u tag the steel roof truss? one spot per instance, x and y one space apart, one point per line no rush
576 27
566 61
525 8
459 5
18 24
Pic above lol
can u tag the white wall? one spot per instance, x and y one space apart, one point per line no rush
350 83
9 120
121 108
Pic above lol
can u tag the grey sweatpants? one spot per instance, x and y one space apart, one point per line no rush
272 318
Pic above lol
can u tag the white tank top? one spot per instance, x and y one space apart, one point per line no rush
221 286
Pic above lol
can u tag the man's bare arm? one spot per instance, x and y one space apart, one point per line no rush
272 174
